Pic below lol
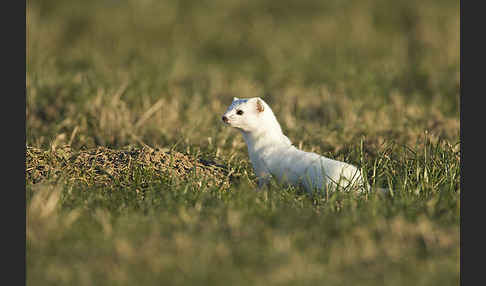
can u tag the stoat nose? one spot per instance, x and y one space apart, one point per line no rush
225 119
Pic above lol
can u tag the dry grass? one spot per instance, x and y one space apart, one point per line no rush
132 179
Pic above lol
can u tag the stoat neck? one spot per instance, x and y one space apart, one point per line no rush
268 135
257 141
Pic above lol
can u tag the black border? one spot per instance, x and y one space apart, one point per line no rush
13 118
472 122
14 52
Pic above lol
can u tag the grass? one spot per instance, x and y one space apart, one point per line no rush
131 178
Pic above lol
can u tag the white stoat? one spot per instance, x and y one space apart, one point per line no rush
272 154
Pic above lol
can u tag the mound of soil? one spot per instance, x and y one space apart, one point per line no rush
105 166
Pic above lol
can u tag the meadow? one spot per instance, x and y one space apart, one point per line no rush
132 179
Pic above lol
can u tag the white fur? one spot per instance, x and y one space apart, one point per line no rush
272 154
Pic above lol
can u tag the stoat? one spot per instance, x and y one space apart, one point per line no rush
272 153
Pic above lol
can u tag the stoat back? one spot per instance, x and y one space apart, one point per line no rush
312 170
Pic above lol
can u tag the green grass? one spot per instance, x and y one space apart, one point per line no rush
373 83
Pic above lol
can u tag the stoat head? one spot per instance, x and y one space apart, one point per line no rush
246 114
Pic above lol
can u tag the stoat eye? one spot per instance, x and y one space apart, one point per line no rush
239 112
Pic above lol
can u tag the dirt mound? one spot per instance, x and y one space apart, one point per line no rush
106 166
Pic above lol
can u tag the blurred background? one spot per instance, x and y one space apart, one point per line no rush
118 72
338 74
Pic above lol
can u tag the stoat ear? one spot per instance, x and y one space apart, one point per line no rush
259 105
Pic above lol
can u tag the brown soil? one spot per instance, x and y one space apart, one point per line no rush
104 166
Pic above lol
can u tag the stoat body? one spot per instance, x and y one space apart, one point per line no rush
272 153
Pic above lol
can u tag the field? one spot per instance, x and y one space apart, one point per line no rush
132 179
